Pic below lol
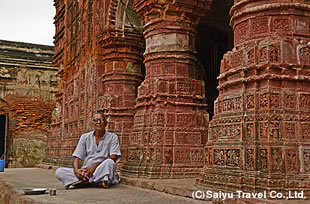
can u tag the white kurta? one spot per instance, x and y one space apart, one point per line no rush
88 151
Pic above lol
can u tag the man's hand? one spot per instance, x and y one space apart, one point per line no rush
79 173
90 170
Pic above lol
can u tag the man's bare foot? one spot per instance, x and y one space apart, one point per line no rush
103 184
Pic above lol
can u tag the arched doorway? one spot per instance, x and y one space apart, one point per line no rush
3 131
214 39
3 128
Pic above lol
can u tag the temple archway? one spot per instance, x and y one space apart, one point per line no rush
214 38
3 127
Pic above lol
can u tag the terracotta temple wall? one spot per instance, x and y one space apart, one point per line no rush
259 136
170 125
98 50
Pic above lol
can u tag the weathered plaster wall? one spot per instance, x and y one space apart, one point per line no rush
27 89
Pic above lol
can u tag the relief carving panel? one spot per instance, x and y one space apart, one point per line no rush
305 131
276 156
250 101
182 155
292 160
250 159
197 155
306 160
263 160
226 157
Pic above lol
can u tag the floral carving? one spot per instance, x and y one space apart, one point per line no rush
289 100
264 100
259 26
250 101
304 54
281 24
305 131
134 154
274 53
236 59
290 129
243 31
156 155
263 54
275 100
306 158
251 56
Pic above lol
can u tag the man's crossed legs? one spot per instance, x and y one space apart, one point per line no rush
103 176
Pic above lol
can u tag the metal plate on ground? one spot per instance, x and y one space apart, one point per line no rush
34 191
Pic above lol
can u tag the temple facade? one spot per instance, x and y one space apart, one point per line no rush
217 90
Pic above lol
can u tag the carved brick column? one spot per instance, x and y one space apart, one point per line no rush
119 69
259 138
170 125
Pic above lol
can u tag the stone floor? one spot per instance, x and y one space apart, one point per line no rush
131 190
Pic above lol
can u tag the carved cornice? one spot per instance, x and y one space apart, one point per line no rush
154 10
250 7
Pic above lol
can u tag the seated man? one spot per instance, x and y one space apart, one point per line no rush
98 151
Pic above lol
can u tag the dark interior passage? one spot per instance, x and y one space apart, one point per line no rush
214 39
2 134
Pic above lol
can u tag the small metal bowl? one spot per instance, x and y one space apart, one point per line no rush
52 192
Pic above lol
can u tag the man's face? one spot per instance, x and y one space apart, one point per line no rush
99 122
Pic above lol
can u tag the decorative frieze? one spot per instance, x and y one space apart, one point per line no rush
226 157
281 24
182 155
197 156
260 26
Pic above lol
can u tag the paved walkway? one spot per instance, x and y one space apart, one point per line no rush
19 179
157 191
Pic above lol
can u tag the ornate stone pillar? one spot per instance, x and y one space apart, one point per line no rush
170 125
119 69
259 138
